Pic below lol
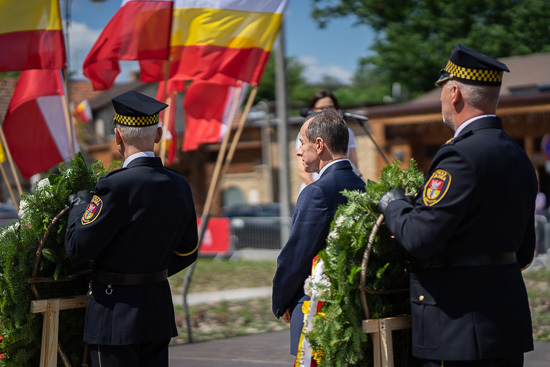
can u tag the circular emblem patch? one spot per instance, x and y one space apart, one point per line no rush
92 211
437 187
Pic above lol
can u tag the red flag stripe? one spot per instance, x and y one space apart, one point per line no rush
215 64
139 30
43 49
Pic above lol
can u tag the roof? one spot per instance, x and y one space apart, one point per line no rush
527 82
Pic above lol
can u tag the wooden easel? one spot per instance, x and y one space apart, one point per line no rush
382 341
49 308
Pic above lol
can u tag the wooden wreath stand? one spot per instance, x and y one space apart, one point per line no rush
380 329
49 308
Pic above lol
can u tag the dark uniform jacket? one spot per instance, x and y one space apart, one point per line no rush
478 198
141 220
314 212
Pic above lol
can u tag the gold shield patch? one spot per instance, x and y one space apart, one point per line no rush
92 211
436 187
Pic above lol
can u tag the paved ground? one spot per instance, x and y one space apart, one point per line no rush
271 350
263 350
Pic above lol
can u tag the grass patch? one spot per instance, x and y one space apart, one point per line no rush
538 290
213 275
228 319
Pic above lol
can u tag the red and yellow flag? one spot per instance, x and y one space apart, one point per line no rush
31 35
222 42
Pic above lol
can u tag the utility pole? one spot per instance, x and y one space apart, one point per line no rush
282 136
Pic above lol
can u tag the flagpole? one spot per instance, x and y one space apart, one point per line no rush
238 133
221 154
165 121
206 209
10 161
66 111
9 187
162 151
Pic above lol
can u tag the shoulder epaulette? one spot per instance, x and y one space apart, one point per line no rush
114 171
459 138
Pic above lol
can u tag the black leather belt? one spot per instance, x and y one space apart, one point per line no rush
129 279
465 259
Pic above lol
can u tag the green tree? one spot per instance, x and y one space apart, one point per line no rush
298 90
415 37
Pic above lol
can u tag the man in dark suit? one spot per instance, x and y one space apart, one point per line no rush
324 143
139 228
472 230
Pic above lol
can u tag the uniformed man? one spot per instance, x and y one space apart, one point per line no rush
472 230
139 228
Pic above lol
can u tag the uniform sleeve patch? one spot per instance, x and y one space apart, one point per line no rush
92 211
436 188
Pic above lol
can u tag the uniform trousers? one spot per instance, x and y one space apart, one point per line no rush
133 355
515 361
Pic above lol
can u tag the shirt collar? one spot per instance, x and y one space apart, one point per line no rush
137 155
468 122
330 164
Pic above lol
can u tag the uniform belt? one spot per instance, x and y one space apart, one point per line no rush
466 259
129 279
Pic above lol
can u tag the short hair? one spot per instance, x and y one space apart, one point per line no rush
322 94
482 97
330 126
137 136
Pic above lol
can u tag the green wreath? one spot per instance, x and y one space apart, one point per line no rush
337 333
34 264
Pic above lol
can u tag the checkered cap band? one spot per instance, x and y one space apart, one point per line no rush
137 120
478 75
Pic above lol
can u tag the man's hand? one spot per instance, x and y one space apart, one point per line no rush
394 194
80 197
286 316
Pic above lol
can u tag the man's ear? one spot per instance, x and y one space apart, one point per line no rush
456 94
118 137
319 145
159 134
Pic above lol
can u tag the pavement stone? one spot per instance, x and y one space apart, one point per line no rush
263 350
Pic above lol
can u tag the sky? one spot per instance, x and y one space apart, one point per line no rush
332 51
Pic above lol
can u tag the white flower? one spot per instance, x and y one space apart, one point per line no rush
308 286
333 235
339 221
43 184
11 228
23 205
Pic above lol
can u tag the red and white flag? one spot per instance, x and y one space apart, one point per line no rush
207 109
140 30
35 125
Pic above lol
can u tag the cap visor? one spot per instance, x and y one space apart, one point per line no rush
446 76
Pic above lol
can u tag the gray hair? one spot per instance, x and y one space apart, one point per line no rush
331 127
138 136
482 97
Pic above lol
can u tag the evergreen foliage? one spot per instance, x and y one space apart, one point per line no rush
414 38
21 330
337 331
